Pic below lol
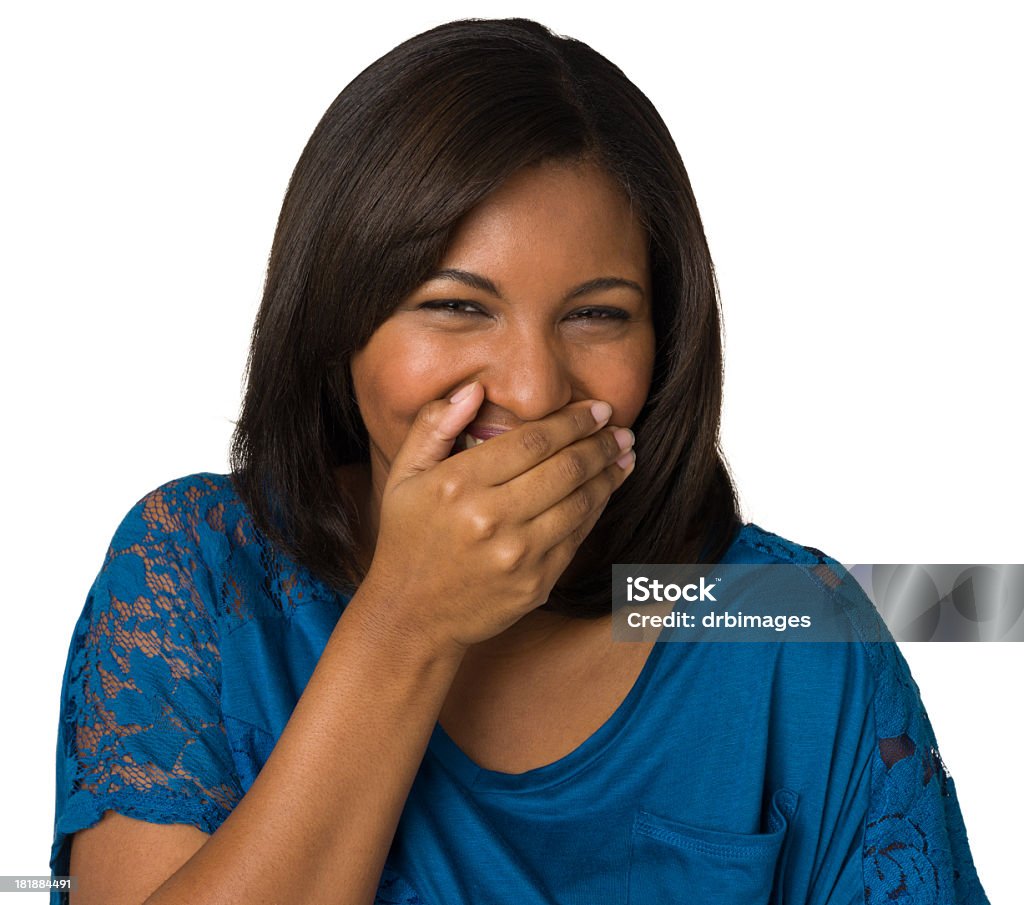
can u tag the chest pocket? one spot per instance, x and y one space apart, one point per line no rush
674 864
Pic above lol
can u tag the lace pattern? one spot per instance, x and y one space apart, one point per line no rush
142 718
142 729
915 843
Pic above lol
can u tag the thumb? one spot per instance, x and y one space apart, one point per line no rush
436 426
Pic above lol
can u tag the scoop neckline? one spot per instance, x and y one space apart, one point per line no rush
446 751
444 748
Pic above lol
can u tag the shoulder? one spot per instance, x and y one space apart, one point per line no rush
896 693
824 576
156 581
165 532
842 612
141 728
194 534
178 507
915 844
755 544
170 539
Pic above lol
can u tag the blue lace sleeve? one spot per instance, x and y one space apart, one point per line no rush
141 731
915 842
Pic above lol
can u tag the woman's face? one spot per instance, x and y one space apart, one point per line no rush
544 296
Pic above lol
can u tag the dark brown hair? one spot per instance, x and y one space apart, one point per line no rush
411 145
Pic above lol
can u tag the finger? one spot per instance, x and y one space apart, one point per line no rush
437 424
508 455
561 554
568 470
563 527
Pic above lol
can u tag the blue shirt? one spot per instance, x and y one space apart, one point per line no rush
731 772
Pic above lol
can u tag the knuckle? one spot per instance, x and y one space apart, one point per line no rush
582 421
578 535
609 445
535 440
511 555
535 589
483 525
583 500
450 488
573 467
425 417
613 476
530 581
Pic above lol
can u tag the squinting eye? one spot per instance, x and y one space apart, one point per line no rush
600 314
452 306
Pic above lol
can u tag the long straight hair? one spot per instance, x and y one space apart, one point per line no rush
407 149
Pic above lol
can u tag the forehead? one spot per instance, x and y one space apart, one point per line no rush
555 221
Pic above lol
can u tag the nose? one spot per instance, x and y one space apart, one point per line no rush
530 375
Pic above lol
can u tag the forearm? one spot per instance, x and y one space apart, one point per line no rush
318 821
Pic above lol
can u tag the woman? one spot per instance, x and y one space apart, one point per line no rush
375 664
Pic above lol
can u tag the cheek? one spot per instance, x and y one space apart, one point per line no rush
630 399
626 380
393 378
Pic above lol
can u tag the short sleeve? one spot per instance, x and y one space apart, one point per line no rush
915 841
899 837
141 730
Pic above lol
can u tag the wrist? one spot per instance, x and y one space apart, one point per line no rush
393 615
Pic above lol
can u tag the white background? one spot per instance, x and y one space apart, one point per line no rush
859 177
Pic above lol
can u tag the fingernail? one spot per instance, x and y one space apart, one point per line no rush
624 437
626 462
601 411
463 393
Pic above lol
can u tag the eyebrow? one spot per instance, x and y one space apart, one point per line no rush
482 284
